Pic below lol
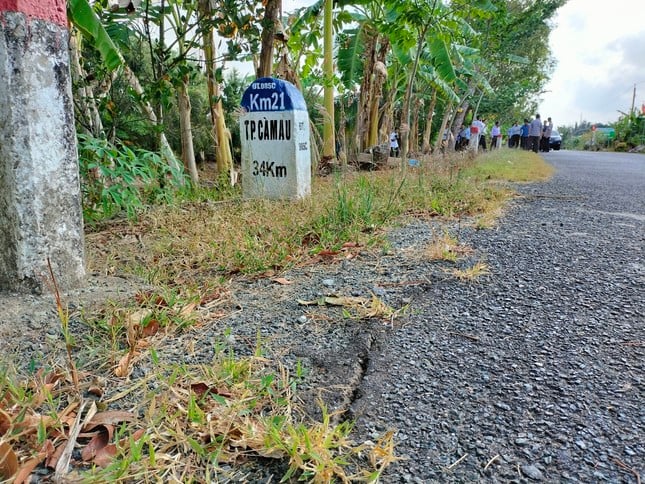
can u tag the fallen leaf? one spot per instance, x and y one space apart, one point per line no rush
282 280
138 316
123 367
201 389
8 462
151 328
95 390
105 455
188 310
94 446
53 453
5 422
29 466
328 253
318 302
109 417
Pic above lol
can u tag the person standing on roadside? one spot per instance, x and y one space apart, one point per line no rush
483 131
546 135
394 145
495 136
535 133
524 135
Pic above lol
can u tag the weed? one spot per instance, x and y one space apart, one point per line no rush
471 273
446 247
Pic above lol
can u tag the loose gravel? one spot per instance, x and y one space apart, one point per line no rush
533 372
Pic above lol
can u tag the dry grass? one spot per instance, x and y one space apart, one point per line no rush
446 247
188 420
472 273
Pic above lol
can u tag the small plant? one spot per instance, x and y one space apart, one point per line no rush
445 247
63 318
115 178
471 273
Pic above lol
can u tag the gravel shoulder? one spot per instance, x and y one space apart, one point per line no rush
532 373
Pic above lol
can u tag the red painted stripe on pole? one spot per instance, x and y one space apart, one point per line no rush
53 11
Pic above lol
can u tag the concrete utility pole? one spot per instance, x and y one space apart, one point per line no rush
40 201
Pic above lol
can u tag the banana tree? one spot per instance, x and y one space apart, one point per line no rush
410 26
223 153
85 19
329 138
362 52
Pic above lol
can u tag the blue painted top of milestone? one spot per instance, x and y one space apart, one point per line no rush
268 94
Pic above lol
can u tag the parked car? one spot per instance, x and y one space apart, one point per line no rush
555 141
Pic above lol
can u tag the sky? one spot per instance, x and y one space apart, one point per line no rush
600 50
599 47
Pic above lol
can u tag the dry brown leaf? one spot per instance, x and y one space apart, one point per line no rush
138 316
105 455
30 423
94 446
151 328
29 466
123 367
188 310
53 453
201 389
328 253
109 417
8 461
5 422
282 281
95 390
345 301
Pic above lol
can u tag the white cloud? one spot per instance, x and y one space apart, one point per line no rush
600 49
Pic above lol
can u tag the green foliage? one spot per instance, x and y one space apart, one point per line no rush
85 19
115 178
514 43
630 131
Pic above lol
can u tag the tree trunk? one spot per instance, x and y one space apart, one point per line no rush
414 128
365 98
269 22
221 136
444 122
387 112
407 102
461 115
376 91
89 113
329 145
425 148
186 131
342 136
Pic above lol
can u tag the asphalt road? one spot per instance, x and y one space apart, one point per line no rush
536 371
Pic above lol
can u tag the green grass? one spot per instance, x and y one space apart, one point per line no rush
509 165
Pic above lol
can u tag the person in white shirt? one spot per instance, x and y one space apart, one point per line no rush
495 136
394 145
